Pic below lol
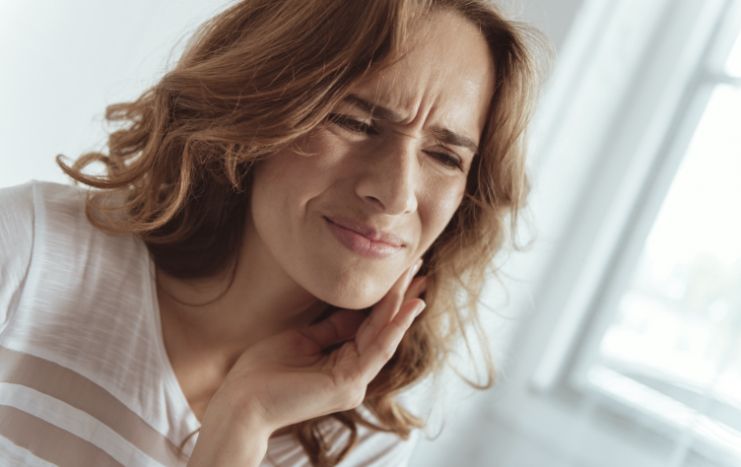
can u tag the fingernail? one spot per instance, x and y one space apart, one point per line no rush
415 268
411 273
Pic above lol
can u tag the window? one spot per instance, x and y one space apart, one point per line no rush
631 355
663 337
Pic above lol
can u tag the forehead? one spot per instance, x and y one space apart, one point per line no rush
445 76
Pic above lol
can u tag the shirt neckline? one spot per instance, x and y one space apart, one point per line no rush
171 381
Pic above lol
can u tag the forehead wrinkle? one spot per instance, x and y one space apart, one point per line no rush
374 109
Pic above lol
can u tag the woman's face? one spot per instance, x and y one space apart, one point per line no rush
398 169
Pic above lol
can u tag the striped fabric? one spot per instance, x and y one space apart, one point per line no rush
84 376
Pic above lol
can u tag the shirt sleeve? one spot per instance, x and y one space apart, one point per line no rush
16 244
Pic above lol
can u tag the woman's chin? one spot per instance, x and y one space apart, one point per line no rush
357 297
351 302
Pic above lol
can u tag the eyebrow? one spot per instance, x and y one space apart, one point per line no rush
444 135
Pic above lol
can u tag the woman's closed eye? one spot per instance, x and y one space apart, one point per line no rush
447 159
357 126
352 124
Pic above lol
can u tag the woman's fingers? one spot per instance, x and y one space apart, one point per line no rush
384 311
382 348
379 351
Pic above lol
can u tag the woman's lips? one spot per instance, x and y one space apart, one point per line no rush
361 244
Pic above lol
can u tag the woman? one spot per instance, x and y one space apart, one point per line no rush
277 212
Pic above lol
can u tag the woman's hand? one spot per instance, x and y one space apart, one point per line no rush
290 377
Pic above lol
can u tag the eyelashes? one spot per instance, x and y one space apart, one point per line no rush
352 124
356 126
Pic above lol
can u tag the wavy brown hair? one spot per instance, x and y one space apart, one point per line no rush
255 79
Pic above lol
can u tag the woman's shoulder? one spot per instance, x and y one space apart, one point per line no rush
20 205
45 223
40 211
52 209
23 212
16 242
22 208
16 205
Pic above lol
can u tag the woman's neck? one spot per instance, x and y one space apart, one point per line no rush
231 311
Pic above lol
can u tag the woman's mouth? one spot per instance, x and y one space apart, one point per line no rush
361 244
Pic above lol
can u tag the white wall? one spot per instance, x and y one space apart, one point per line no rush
63 62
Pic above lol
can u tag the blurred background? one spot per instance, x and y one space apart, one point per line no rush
617 332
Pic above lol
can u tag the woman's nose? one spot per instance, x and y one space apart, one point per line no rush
390 177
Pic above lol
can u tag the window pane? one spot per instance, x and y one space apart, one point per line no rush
675 345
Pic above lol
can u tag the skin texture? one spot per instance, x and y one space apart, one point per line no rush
398 177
